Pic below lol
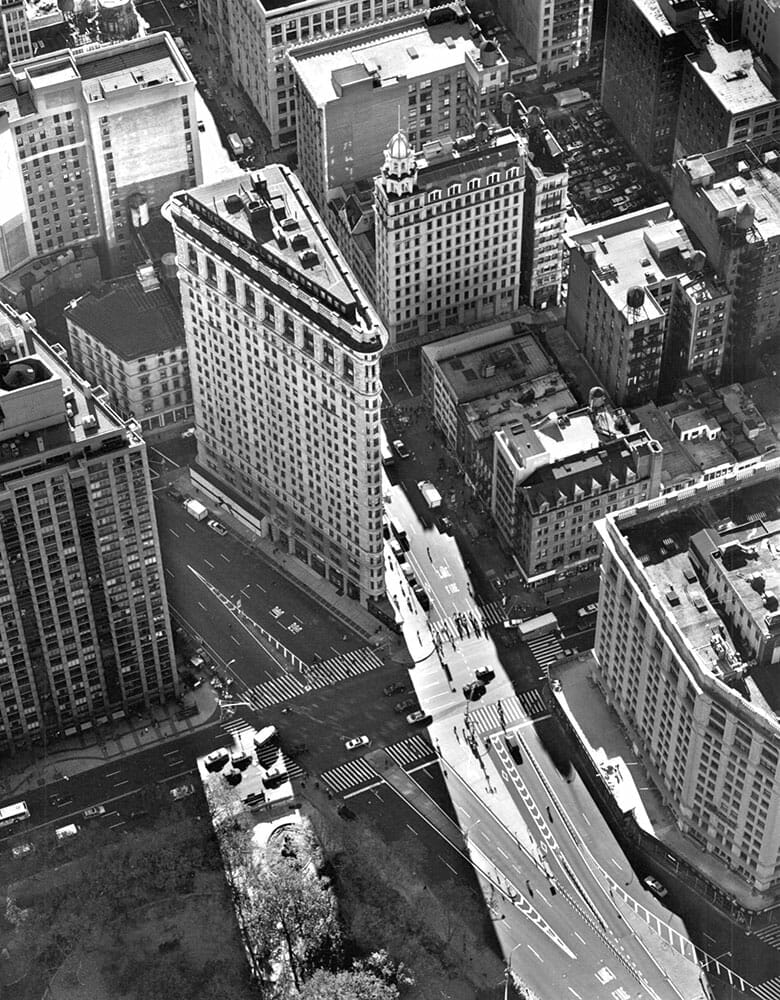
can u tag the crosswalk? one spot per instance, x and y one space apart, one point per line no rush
517 708
546 649
494 613
349 776
769 989
274 691
769 935
339 668
267 755
411 751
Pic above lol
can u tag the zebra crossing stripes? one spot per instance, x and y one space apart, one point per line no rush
236 728
769 935
410 751
517 708
347 776
274 691
267 755
546 649
493 614
339 668
768 990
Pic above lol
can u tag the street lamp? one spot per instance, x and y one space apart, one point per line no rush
508 969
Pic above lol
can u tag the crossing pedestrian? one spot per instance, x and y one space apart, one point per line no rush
455 730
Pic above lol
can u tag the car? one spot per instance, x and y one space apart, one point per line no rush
355 742
66 832
417 717
190 432
422 597
400 449
22 850
589 609
446 525
216 526
485 674
395 688
655 886
217 759
182 791
474 691
197 682
93 812
345 812
404 706
201 126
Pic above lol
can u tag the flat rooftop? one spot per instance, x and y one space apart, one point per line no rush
491 369
525 404
655 17
131 322
730 76
760 187
748 517
443 158
640 250
390 53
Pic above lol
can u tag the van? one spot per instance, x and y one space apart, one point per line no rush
66 832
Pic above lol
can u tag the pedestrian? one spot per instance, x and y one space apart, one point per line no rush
455 730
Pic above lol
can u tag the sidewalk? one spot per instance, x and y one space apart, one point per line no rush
76 754
350 613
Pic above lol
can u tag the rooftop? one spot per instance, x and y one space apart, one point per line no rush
139 62
743 527
129 320
526 404
756 186
444 158
730 76
387 53
490 369
271 218
632 254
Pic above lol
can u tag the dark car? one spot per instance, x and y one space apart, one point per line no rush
404 706
484 674
422 597
446 525
395 688
474 691
345 812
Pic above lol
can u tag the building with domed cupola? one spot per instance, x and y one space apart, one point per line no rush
447 234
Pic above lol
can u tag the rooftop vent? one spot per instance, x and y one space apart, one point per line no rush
672 597
233 203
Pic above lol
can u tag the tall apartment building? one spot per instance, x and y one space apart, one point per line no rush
446 234
639 294
553 481
284 360
254 36
544 215
730 199
726 97
687 647
644 51
85 629
673 87
72 124
14 32
433 68
556 34
127 336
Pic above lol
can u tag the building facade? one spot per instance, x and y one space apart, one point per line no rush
14 32
679 625
254 36
446 234
761 27
431 75
639 294
555 33
85 630
128 337
552 483
730 200
71 127
284 360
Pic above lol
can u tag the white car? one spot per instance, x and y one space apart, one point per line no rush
655 886
182 792
21 850
93 812
358 741
415 717
216 526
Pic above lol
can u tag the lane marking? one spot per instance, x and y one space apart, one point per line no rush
536 953
210 565
502 852
580 937
586 819
260 588
202 606
576 994
171 753
118 784
223 556
366 788
413 830
115 825
236 641
175 535
110 774
170 574
188 526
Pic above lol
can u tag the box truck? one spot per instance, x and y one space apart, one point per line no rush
196 509
430 493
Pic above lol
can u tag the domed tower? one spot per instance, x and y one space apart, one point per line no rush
399 172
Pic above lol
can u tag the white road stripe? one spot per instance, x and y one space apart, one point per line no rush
536 953
413 830
202 606
174 533
223 556
111 774
118 784
210 565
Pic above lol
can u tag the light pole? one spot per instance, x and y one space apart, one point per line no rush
508 970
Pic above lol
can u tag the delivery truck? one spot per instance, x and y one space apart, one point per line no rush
236 145
430 493
196 509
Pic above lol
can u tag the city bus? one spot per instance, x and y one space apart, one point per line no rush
14 813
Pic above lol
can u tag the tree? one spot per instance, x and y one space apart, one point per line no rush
359 984
381 965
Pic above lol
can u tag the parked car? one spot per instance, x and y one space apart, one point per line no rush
404 706
395 688
93 812
216 526
400 449
182 791
589 609
22 850
655 886
201 128
418 717
446 525
357 741
217 759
